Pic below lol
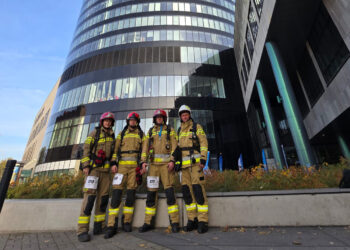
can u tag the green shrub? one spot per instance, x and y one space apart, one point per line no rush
254 179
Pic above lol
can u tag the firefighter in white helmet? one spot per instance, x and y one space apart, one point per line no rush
193 145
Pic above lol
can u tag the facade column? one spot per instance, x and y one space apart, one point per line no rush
270 124
290 106
344 147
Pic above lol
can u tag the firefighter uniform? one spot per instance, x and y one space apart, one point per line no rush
99 194
127 154
158 147
194 147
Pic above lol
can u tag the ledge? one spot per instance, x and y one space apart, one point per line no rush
304 207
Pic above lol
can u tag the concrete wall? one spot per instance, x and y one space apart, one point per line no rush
265 208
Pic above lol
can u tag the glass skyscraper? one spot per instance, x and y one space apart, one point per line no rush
129 55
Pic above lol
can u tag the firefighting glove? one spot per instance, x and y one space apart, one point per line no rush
138 176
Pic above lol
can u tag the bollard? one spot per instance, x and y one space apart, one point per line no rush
5 181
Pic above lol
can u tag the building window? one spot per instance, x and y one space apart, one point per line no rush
258 6
252 21
245 73
250 43
246 58
135 87
327 45
311 82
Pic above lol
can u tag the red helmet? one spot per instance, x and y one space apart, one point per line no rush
107 115
160 112
133 115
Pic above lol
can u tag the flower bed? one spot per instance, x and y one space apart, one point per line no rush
254 179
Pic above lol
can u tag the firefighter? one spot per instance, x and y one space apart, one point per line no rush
95 163
194 147
158 148
124 163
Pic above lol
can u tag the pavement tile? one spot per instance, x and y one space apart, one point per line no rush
340 233
261 238
3 240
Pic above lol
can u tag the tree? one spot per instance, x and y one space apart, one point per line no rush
3 165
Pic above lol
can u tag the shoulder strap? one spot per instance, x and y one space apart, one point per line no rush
140 132
121 140
113 145
168 130
97 137
194 135
123 133
194 127
150 142
178 131
150 132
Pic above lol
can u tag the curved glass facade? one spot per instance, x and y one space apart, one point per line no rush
143 55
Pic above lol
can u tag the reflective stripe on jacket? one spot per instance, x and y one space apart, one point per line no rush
185 141
161 153
131 142
105 143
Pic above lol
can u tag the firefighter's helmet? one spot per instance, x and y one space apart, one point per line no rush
184 108
160 112
107 115
133 115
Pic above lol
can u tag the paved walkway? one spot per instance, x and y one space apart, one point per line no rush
224 238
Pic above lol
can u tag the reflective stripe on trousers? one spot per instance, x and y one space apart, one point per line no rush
192 206
151 211
173 209
113 211
84 220
128 210
202 208
100 217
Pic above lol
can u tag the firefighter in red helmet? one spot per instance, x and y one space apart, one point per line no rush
157 150
125 166
95 163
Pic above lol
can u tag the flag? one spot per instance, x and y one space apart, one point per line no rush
206 169
240 163
220 162
264 160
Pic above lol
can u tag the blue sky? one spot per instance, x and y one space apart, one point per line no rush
34 42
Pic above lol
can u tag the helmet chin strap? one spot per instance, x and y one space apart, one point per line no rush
134 126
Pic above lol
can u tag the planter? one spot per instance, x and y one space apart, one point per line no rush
311 207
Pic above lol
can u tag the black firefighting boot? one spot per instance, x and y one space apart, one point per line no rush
97 228
111 231
126 226
146 227
191 225
175 228
84 237
202 227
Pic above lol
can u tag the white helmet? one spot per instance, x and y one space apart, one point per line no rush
184 108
